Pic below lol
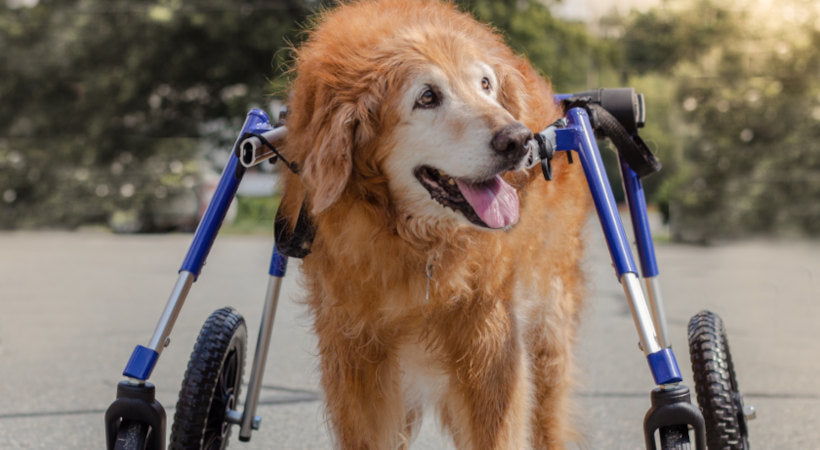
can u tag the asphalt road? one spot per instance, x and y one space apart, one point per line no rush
75 304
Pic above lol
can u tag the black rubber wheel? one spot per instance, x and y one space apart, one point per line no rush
675 438
716 384
131 436
211 384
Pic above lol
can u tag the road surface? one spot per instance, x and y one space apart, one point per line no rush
75 304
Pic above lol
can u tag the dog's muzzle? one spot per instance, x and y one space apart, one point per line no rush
512 143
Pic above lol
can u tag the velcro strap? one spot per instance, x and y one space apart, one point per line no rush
633 149
294 241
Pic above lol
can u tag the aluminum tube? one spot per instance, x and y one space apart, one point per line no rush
171 311
259 357
640 313
252 151
653 290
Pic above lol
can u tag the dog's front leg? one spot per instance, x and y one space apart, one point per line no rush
360 377
487 404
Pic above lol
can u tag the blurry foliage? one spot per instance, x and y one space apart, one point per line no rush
753 164
107 105
254 214
102 100
565 52
743 97
659 39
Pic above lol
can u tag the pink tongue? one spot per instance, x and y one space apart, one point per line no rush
495 201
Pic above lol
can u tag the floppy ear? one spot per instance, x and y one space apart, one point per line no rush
511 88
527 95
328 165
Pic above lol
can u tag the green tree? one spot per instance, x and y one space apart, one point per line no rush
658 39
564 51
106 102
753 165
742 92
652 45
101 98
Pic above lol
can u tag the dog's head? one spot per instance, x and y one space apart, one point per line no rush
415 106
455 138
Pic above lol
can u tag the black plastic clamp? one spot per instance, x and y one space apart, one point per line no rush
672 406
136 403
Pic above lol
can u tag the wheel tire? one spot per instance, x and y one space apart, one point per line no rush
211 384
675 438
715 384
131 436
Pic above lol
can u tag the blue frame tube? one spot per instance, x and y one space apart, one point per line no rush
256 122
143 359
633 189
278 263
579 136
212 219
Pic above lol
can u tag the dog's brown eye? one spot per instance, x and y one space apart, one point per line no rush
428 99
485 84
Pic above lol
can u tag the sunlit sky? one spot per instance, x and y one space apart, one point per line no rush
18 3
572 9
765 13
591 10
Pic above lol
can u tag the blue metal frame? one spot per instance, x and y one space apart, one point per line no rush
257 122
144 358
135 397
578 136
278 264
633 189
141 364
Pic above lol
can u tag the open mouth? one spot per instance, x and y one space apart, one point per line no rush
490 203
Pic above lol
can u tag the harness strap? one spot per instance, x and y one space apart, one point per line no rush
293 166
294 241
630 145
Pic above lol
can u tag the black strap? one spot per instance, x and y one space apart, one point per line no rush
294 241
630 146
545 141
293 166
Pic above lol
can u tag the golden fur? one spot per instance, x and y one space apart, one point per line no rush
489 343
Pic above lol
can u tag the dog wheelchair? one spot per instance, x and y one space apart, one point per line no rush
208 404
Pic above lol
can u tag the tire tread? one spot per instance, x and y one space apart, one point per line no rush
200 380
715 382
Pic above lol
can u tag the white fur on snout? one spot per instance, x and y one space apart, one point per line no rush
454 137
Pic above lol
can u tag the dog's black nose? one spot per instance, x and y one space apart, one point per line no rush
510 140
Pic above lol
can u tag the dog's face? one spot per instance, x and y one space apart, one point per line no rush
421 118
453 140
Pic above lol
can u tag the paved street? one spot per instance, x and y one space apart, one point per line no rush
75 304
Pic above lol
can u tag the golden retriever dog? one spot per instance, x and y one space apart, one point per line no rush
443 274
